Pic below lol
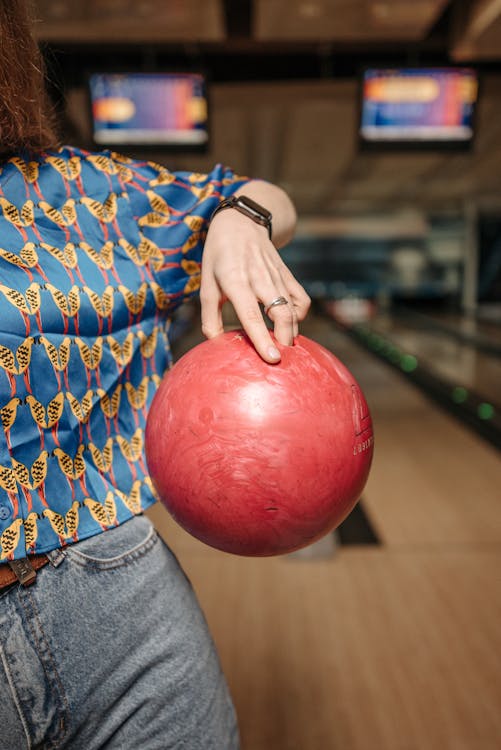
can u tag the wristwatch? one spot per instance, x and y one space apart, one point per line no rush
249 208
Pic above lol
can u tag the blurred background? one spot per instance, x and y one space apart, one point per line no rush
382 120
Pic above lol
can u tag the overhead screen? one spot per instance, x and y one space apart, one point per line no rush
149 109
418 107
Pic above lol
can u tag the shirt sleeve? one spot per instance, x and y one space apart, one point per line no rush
172 211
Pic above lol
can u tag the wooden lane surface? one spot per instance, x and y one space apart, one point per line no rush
374 649
388 648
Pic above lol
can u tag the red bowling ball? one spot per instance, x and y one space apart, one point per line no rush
258 459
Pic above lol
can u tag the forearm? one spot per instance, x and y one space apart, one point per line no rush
278 202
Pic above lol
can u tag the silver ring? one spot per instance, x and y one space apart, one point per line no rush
274 303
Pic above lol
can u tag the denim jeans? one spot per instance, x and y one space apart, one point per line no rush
109 649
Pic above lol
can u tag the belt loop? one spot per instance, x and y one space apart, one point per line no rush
56 557
23 570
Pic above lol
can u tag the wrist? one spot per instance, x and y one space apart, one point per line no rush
279 203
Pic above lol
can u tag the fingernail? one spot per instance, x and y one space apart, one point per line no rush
273 353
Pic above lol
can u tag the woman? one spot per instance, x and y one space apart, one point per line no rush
102 643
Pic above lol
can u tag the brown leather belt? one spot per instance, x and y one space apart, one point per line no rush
21 571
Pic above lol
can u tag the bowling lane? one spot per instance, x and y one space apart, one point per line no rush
449 358
404 631
383 648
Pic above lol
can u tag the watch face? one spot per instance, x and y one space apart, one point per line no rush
250 208
254 207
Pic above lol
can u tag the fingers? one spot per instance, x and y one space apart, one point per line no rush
256 275
267 286
247 309
284 319
296 294
211 301
251 318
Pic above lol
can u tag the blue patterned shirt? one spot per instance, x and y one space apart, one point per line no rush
96 252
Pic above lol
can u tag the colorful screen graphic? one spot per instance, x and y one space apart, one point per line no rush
418 105
149 109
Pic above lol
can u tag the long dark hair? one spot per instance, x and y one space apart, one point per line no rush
26 123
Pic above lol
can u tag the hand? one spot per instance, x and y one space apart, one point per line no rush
241 265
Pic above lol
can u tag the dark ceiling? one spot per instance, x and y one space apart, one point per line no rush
285 85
